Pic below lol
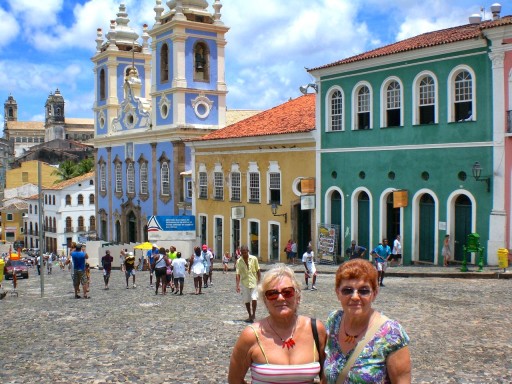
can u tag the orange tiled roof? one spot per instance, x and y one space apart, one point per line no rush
294 116
67 183
429 39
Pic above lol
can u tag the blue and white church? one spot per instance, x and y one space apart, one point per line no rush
152 93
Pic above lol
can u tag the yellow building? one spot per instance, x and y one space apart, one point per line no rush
21 183
27 174
253 182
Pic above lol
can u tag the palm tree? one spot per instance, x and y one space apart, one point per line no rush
85 166
67 170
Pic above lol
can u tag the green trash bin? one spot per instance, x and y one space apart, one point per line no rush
503 258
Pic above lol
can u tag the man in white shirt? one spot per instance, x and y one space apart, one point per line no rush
308 259
178 272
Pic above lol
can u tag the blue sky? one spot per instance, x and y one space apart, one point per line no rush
48 44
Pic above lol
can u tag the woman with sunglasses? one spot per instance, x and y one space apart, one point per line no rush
281 347
378 344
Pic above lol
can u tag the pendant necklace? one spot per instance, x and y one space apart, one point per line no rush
351 339
289 342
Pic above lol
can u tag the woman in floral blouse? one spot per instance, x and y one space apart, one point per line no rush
385 357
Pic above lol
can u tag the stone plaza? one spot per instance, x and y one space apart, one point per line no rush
459 328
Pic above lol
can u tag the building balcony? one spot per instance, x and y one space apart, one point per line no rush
81 228
68 229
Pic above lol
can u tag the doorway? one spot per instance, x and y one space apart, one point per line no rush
273 255
363 220
392 220
462 219
427 228
235 230
217 248
132 228
336 216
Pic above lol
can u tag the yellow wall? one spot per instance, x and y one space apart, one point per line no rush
14 177
294 163
17 222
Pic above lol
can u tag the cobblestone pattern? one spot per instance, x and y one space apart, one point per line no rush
459 329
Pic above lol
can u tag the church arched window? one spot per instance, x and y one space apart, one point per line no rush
164 63
102 84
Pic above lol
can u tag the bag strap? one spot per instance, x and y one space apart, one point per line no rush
368 336
317 343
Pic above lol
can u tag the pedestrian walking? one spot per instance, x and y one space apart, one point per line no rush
355 251
178 271
225 261
151 258
308 259
294 251
78 256
207 260
122 258
396 253
38 264
49 264
446 252
106 263
197 268
160 263
288 251
248 276
129 267
380 255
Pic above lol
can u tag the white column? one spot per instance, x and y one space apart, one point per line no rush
498 218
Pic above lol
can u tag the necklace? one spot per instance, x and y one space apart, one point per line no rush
289 342
351 339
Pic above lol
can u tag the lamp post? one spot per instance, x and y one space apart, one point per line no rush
477 174
274 212
40 217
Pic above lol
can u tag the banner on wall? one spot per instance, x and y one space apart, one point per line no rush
171 228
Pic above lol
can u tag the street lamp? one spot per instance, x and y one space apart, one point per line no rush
274 212
304 88
477 174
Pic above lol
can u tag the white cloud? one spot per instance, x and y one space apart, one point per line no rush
36 14
9 28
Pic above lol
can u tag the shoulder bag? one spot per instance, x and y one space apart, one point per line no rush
317 343
370 332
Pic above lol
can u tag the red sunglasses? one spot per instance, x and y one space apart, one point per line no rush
273 294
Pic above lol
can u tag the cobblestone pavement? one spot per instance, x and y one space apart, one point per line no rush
459 329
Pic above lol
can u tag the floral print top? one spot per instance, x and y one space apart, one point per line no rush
370 366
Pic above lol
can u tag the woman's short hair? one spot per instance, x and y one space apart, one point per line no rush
357 269
277 272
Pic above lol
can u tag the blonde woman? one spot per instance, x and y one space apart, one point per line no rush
281 346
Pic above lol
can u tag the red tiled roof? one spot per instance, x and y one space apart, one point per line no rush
67 183
294 116
429 39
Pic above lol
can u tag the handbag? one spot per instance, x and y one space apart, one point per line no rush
368 336
317 343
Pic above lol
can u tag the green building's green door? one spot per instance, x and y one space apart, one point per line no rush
427 228
336 217
363 221
462 225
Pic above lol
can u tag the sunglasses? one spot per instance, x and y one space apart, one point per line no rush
349 291
273 294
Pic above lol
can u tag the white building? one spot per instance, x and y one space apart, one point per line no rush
68 214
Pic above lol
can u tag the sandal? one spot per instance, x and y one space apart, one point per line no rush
78 297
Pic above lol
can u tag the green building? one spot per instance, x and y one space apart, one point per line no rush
400 130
